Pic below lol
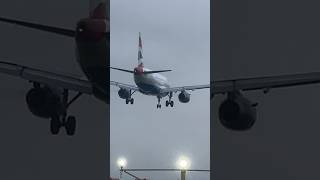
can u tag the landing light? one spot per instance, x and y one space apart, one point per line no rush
122 162
183 163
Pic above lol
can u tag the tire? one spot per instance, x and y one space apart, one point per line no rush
167 103
171 103
132 101
55 126
127 101
71 125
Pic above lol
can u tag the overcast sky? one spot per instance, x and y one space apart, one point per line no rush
175 36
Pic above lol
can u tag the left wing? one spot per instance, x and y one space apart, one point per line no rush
264 83
51 29
124 86
183 88
45 77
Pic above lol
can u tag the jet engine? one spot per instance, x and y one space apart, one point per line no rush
42 102
124 93
237 112
184 97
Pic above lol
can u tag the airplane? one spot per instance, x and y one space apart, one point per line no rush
152 83
235 113
49 96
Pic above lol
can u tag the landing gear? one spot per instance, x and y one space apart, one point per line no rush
63 120
55 125
69 124
130 99
159 105
170 102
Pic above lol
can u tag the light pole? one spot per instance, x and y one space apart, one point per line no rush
183 164
121 162
183 174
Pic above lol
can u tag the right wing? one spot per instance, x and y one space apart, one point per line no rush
183 88
124 86
45 77
265 83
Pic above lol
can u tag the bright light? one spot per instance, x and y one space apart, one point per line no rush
183 163
122 162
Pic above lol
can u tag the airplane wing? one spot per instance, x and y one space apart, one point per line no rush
124 86
265 83
51 29
45 77
182 88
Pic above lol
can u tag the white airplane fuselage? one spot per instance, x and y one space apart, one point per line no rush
151 84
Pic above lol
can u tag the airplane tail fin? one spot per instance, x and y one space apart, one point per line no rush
99 9
140 57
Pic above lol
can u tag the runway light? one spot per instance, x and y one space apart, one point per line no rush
183 163
122 162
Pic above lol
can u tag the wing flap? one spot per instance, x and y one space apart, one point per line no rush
183 88
45 77
124 86
265 82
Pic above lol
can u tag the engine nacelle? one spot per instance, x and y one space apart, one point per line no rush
237 113
124 93
43 102
184 97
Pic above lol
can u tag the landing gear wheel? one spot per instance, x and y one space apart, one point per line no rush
71 125
132 101
171 103
127 101
159 106
167 103
55 126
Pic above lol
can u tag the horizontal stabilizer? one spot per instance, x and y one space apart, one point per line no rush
145 72
151 72
56 30
124 70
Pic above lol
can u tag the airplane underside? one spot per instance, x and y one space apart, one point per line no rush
95 70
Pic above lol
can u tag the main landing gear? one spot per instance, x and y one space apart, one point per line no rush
130 99
170 102
159 105
63 120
